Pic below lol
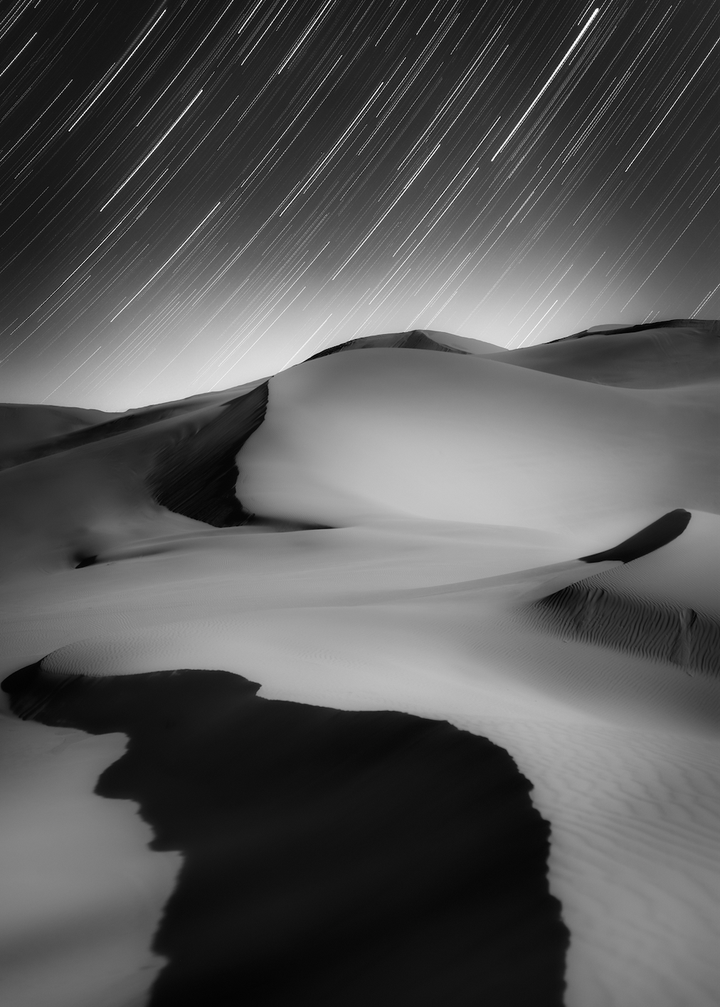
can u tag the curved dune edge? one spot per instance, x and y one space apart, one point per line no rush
654 536
360 857
196 475
151 475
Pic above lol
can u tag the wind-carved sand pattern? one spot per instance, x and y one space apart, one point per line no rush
451 726
593 614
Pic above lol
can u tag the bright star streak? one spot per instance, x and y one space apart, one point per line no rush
158 271
671 108
704 301
17 54
304 36
65 380
126 60
335 146
247 19
547 84
535 326
300 348
392 205
608 185
151 152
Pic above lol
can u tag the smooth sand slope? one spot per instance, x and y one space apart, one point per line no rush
525 547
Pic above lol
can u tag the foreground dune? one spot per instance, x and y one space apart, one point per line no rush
523 545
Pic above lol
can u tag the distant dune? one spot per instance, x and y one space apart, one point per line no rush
25 426
656 355
392 677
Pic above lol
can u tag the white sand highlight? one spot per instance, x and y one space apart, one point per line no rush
464 486
80 893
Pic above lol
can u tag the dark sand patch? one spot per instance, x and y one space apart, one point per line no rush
196 474
652 537
332 859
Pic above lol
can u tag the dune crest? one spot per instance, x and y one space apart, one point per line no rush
678 353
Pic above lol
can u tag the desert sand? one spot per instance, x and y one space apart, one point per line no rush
338 590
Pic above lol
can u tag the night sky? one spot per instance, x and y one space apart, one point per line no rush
197 194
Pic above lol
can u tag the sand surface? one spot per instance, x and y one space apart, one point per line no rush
328 856
79 889
407 537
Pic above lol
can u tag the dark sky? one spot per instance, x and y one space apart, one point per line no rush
193 193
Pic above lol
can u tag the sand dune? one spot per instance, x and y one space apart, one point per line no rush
386 542
23 427
443 436
656 355
417 339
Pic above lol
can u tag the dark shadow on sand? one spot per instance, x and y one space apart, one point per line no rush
331 858
670 526
195 475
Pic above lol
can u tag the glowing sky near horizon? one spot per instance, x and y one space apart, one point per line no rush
195 194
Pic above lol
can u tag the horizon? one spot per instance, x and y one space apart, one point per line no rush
198 194
251 377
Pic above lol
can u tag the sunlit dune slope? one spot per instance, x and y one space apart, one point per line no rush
357 435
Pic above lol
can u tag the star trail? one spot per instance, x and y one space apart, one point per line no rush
197 194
